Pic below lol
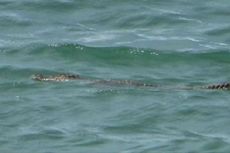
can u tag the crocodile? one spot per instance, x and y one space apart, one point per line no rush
71 77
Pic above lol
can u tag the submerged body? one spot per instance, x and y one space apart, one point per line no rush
70 77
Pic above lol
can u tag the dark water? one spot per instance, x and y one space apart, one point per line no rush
171 44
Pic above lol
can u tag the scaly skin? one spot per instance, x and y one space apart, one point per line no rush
225 86
70 77
61 77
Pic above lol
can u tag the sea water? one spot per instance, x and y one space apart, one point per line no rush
171 44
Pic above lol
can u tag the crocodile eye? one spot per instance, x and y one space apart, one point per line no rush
73 76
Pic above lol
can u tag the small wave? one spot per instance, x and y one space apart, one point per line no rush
219 31
43 134
13 20
76 53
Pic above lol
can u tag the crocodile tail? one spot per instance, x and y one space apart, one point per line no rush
219 86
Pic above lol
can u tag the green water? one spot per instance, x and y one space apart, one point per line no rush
171 44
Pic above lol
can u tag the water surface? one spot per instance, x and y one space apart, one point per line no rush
172 44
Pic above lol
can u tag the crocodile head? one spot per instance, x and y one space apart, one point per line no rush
38 77
61 77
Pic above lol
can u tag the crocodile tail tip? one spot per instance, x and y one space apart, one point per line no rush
219 86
